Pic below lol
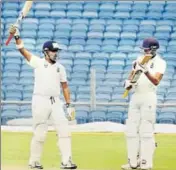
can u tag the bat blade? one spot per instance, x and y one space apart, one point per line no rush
23 13
136 74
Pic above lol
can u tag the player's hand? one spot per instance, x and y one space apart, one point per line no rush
128 84
70 112
13 29
141 67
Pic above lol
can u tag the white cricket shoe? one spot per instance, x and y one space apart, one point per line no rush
145 167
128 167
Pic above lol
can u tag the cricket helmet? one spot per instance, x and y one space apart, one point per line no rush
150 43
51 46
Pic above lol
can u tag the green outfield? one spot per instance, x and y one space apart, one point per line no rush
98 151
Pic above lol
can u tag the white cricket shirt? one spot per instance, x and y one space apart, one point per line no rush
157 64
47 77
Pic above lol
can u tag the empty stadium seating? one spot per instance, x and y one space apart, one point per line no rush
96 34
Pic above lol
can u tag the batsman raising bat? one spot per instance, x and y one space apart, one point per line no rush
144 79
46 103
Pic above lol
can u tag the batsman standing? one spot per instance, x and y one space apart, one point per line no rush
142 108
48 74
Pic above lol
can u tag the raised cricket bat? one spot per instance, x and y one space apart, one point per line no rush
22 15
136 74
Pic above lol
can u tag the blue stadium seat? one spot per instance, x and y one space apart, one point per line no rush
106 15
90 14
166 118
13 95
173 36
170 8
109 48
46 27
139 7
84 61
92 48
28 88
29 26
74 14
64 21
138 15
10 13
45 6
81 116
143 35
96 27
111 35
80 27
63 27
154 15
165 23
41 14
121 15
83 97
114 117
78 41
29 34
107 7
61 34
118 56
61 5
147 28
58 14
10 6
27 96
81 67
74 6
127 42
169 16
128 35
100 56
78 34
97 116
162 36
94 41
12 67
26 114
47 21
95 34
75 48
110 42
125 48
130 28
83 55
10 74
91 6
149 22
26 81
113 21
9 114
123 7
113 28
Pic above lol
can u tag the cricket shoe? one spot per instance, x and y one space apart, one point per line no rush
128 167
69 165
144 167
35 165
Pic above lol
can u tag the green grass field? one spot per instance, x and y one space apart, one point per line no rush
98 151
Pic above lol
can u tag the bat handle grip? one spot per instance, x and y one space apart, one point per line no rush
125 94
9 39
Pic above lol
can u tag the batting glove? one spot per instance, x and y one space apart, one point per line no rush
141 67
70 112
128 84
14 30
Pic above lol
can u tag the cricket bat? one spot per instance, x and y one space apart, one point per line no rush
22 15
136 74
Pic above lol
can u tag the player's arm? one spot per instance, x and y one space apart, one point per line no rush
19 43
155 79
66 92
22 50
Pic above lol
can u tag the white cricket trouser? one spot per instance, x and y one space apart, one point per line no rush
140 128
44 107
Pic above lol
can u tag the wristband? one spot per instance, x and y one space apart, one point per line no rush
17 37
19 46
